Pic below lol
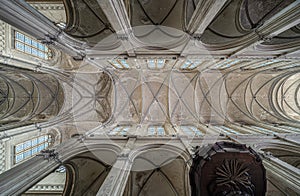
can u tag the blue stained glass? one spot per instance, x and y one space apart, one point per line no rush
27 154
194 65
115 131
186 64
28 49
124 63
19 46
41 140
34 52
160 130
160 63
151 131
27 40
19 157
31 147
20 36
19 148
230 130
34 44
222 130
34 142
27 144
124 131
187 130
264 130
195 130
151 64
40 54
34 150
41 47
291 128
116 64
41 147
31 46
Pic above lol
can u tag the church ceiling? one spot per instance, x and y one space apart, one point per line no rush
150 171
169 71
89 98
136 70
27 97
86 21
237 28
239 19
180 98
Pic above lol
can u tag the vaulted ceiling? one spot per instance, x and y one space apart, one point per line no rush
181 61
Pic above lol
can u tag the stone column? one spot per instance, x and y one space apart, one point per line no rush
116 180
17 180
2 156
21 15
285 176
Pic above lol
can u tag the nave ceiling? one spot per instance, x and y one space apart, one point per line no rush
125 70
117 83
227 28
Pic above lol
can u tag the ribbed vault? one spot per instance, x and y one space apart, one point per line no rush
27 97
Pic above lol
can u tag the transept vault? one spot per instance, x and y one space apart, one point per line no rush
149 97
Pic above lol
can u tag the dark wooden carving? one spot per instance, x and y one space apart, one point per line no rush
229 169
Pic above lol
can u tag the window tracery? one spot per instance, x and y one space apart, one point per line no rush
156 130
189 65
156 63
30 46
29 148
119 130
191 130
119 64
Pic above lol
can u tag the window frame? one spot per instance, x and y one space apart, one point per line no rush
40 48
39 146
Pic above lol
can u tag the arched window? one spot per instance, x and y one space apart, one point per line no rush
226 64
29 148
28 45
120 63
189 65
119 130
156 63
226 130
289 128
156 130
191 130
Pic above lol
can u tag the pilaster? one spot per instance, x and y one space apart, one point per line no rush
116 180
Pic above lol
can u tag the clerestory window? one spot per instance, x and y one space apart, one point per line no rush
28 45
119 130
156 130
191 130
29 148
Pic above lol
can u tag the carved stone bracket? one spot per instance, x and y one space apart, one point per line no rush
50 154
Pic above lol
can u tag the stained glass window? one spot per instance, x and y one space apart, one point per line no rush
262 130
31 147
31 46
156 130
226 64
226 130
293 129
120 63
189 65
191 130
265 64
119 130
156 63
